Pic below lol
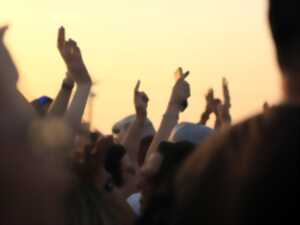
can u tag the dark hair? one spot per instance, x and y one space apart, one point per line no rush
173 155
94 136
113 163
108 155
284 20
159 202
144 146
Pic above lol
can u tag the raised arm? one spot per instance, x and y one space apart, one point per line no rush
61 102
177 104
209 107
132 140
222 110
227 102
71 54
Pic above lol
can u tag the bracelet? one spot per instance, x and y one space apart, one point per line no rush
67 86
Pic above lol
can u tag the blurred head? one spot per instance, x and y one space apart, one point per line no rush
285 20
190 132
41 105
89 165
120 130
106 158
114 163
121 127
159 172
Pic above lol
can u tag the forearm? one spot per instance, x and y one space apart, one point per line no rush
218 123
78 104
204 117
227 117
132 140
60 104
169 121
222 119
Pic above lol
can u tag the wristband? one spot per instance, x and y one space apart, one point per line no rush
67 85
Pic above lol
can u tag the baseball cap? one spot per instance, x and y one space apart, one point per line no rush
122 126
194 133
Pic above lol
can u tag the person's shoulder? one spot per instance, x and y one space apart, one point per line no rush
229 145
228 137
221 148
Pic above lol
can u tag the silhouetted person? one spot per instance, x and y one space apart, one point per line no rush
248 174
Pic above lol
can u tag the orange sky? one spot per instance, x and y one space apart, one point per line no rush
123 41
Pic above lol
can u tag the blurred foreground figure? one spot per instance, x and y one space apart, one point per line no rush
248 174
33 176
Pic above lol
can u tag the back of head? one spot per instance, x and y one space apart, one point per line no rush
158 199
193 133
245 175
285 26
120 128
173 154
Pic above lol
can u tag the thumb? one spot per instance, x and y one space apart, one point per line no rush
185 75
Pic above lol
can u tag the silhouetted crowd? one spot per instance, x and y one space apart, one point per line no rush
54 169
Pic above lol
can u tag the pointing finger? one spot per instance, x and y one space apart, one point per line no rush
61 39
137 86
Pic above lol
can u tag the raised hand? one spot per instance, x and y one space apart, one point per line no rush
71 55
210 107
140 101
181 91
226 94
210 103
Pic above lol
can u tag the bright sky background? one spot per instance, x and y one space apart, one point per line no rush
123 41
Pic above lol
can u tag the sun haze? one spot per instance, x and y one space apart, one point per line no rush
123 41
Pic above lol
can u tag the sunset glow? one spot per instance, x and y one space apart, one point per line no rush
123 41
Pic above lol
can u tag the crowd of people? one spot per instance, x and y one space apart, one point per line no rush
55 170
